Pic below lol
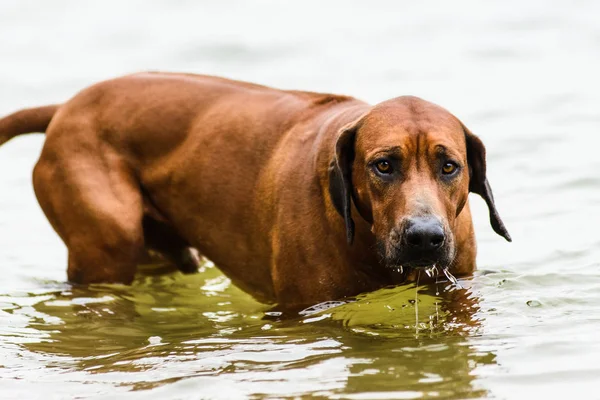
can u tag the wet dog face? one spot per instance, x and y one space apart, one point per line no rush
408 167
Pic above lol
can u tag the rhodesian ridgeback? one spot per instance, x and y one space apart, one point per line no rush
298 197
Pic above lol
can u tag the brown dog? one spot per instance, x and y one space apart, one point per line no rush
298 197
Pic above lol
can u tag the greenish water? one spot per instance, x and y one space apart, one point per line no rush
521 75
176 331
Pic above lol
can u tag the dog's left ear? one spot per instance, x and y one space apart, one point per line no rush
478 180
340 176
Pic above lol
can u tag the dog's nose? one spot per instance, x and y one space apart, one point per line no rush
424 234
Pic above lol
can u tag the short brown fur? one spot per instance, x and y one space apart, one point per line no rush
244 174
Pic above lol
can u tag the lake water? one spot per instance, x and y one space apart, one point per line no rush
522 75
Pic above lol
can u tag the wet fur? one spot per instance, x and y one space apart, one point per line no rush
269 184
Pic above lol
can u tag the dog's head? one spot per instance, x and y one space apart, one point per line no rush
408 167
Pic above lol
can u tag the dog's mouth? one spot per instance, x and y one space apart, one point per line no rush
422 264
426 262
400 273
402 264
400 268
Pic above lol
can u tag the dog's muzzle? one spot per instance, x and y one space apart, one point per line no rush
421 242
423 239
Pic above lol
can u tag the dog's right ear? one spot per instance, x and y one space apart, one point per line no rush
340 175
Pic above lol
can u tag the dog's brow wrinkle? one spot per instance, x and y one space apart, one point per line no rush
440 149
418 152
421 137
390 150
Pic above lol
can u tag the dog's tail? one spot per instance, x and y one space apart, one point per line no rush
30 120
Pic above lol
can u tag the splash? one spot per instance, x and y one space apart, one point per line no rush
417 305
452 278
432 271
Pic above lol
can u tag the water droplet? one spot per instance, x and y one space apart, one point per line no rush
154 340
534 303
452 278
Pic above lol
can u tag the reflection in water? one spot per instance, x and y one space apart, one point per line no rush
200 330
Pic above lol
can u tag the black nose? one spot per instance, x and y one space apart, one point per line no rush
424 234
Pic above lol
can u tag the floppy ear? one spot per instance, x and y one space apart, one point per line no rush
478 182
340 176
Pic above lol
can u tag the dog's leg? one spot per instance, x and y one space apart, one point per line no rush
94 203
162 238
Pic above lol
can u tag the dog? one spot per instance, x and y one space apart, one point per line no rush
298 197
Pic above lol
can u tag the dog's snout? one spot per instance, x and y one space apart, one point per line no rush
424 234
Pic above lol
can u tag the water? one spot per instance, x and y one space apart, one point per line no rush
521 75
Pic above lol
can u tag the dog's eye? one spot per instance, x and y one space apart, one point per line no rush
384 167
449 168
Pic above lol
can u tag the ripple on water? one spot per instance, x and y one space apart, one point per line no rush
116 334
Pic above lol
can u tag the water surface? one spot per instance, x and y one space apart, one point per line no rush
521 75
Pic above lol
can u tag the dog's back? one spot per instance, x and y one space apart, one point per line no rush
182 159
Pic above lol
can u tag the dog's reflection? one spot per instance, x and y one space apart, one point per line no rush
173 327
